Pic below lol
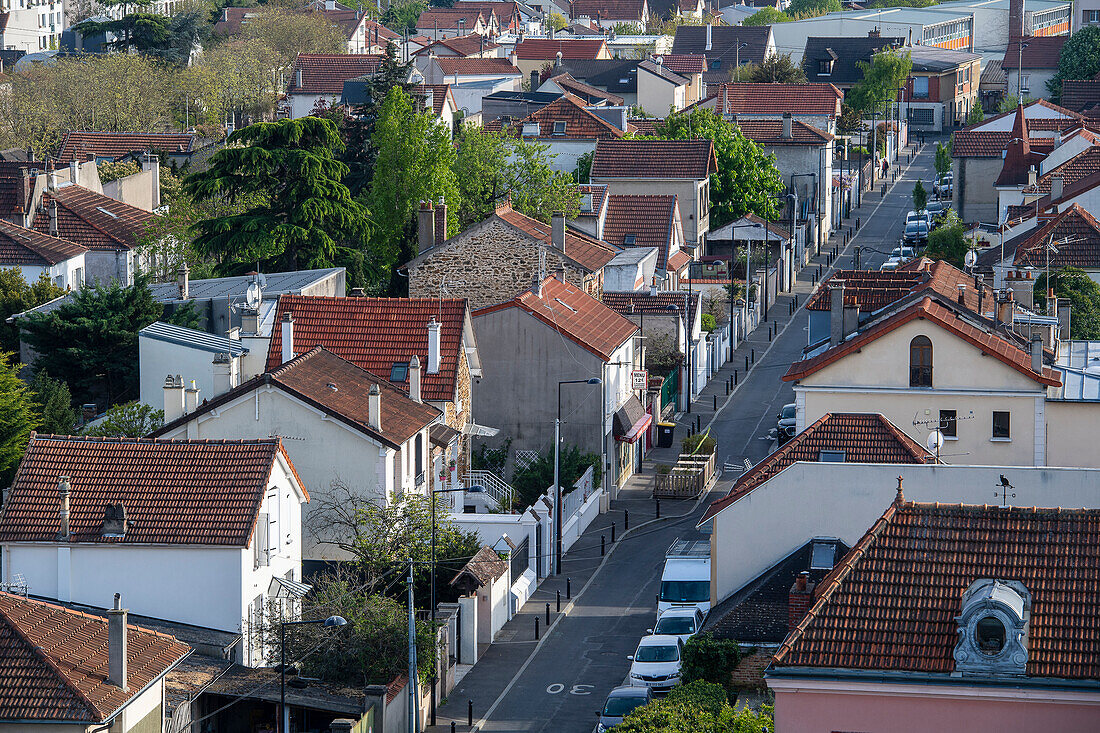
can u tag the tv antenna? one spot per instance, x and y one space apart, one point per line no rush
1004 491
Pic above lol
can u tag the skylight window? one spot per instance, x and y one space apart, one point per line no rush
823 555
399 372
559 127
831 456
630 239
108 213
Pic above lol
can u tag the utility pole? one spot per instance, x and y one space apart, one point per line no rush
414 719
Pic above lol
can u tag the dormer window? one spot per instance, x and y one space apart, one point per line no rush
825 67
989 635
630 239
559 127
993 628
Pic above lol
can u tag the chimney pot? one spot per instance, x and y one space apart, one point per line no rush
63 492
288 336
799 599
191 398
54 228
962 293
434 346
116 644
414 378
224 373
788 126
173 398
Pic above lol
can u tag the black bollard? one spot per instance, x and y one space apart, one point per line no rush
769 334
452 726
734 377
716 402
559 601
658 500
626 519
568 588
746 363
753 352
536 628
727 388
547 615
469 712
603 545
612 533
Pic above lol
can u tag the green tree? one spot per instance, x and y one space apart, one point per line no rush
90 341
533 481
168 39
777 69
537 189
131 420
16 296
709 659
1080 59
307 213
288 31
882 77
697 707
480 160
17 418
583 171
813 8
557 21
767 16
746 179
402 14
920 196
948 243
1084 300
53 404
976 115
943 158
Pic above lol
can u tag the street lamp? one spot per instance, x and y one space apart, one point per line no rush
557 469
330 622
738 58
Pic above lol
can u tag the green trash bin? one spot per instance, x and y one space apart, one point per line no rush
664 434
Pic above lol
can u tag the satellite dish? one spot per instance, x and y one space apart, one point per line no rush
254 295
971 258
934 441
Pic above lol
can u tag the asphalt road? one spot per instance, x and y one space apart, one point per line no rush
567 679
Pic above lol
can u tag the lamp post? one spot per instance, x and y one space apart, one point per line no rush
330 622
738 58
557 469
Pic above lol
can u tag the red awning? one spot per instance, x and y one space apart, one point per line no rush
637 430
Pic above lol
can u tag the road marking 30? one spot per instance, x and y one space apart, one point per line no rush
557 688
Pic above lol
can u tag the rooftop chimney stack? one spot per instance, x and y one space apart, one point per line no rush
1023 287
116 644
184 280
250 321
54 229
788 126
800 599
1057 185
1006 308
374 407
434 346
559 273
425 227
557 230
653 287
173 398
74 172
52 179
191 398
63 513
1064 319
441 221
223 373
1037 353
709 36
288 336
961 287
414 378
1015 19
836 313
298 78
1032 176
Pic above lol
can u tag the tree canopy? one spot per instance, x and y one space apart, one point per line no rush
943 158
920 196
53 404
1084 300
131 420
882 77
776 69
17 296
1080 59
17 418
168 39
767 16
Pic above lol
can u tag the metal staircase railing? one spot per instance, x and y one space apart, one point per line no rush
497 488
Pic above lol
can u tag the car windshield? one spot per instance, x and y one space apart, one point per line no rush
657 654
675 625
788 412
620 707
685 591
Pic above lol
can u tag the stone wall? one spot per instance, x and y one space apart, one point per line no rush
489 264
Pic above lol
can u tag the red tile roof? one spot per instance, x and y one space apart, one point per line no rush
449 17
989 144
871 290
78 145
538 49
310 377
373 333
477 67
1040 52
1080 95
643 158
468 45
799 99
93 220
55 663
684 63
1073 170
179 492
1019 212
1076 236
16 186
1019 159
507 12
575 315
325 73
580 124
678 261
440 92
664 303
862 437
586 251
645 125
892 603
770 133
569 84
989 343
609 9
20 246
648 218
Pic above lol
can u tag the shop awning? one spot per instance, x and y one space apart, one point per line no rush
442 435
631 421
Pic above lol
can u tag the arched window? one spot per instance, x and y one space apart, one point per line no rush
920 362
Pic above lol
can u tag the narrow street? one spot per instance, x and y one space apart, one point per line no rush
558 683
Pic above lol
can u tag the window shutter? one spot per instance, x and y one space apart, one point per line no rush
260 541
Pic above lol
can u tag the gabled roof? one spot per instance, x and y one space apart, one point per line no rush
1020 212
16 186
375 333
567 110
1076 236
467 45
1085 163
647 218
55 663
79 145
844 52
433 18
1080 94
1019 159
872 290
476 67
93 220
664 72
663 303
21 246
587 92
989 343
991 144
588 252
770 132
692 39
993 75
311 377
936 60
176 492
325 73
547 49
683 63
891 604
861 437
439 92
775 99
609 9
617 76
667 159
1040 52
574 314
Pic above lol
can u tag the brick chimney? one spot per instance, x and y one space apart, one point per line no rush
425 227
1064 318
441 221
184 280
1006 308
116 644
800 599
1015 19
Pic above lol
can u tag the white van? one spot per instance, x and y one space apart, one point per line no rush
685 582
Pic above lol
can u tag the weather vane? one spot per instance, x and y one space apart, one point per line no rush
1004 491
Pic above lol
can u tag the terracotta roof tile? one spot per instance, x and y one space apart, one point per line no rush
16 186
684 63
641 302
989 343
440 92
654 159
78 145
55 663
664 72
575 315
646 218
20 246
770 132
585 91
799 99
862 437
569 48
325 73
645 125
1080 95
93 220
464 46
891 604
175 491
989 144
508 14
567 110
678 261
484 567
586 251
1076 236
449 17
374 333
1040 52
1080 166
477 67
1019 158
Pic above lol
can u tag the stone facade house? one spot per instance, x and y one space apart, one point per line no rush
497 258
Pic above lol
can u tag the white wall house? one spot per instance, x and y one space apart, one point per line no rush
213 363
36 254
194 532
32 25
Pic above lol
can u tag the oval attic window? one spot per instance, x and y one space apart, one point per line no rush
990 635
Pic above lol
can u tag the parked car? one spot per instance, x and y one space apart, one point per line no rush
916 233
921 215
784 428
943 187
620 702
656 662
681 622
903 253
936 209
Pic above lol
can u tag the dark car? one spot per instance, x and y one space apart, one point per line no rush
620 702
916 234
784 429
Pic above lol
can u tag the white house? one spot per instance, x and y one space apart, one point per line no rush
195 532
31 26
213 363
341 424
36 254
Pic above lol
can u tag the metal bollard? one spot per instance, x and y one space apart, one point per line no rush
452 726
568 588
559 601
727 388
753 352
470 711
746 363
716 402
734 377
626 519
548 615
857 223
612 533
658 500
536 628
769 334
603 545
